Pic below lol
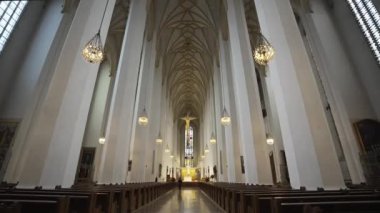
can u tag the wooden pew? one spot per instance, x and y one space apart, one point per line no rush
89 198
243 198
281 204
332 207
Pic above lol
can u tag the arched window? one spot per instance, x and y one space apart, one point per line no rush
369 20
10 12
189 148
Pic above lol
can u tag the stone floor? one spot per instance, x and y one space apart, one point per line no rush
187 200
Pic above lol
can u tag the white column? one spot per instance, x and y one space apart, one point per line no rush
142 146
121 123
53 142
154 123
219 134
249 113
232 165
311 157
98 113
160 147
275 131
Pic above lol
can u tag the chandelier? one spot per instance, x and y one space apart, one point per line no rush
143 118
264 51
159 138
270 140
93 51
206 149
167 150
102 140
226 119
212 139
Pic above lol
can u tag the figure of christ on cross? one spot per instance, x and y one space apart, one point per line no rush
188 145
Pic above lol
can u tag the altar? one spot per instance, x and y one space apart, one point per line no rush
190 174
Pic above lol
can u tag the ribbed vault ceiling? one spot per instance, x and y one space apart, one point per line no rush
187 39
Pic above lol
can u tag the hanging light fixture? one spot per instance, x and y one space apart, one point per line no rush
167 150
203 156
206 149
102 140
171 156
159 138
212 139
143 118
226 119
270 140
264 51
93 51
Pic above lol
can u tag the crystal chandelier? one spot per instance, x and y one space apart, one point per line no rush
264 51
93 51
212 139
226 119
143 118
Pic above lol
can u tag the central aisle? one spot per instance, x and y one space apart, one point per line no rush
187 200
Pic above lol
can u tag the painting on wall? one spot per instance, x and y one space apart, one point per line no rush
7 133
85 167
368 133
153 158
129 165
221 162
159 170
242 164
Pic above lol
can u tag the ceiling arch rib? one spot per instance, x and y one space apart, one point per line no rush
187 39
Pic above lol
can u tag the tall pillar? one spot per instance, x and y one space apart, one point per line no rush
232 165
52 145
275 130
142 143
251 127
220 137
310 153
160 147
154 123
122 117
98 112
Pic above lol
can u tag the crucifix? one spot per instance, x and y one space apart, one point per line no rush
188 146
187 119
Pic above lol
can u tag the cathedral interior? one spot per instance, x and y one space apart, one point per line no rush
190 106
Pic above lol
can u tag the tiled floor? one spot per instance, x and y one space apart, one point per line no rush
188 200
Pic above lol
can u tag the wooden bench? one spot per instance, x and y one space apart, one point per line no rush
244 198
91 198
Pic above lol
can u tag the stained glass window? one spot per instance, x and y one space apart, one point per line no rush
10 12
369 20
189 149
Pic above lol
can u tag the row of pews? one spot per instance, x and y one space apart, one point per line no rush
93 198
242 198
